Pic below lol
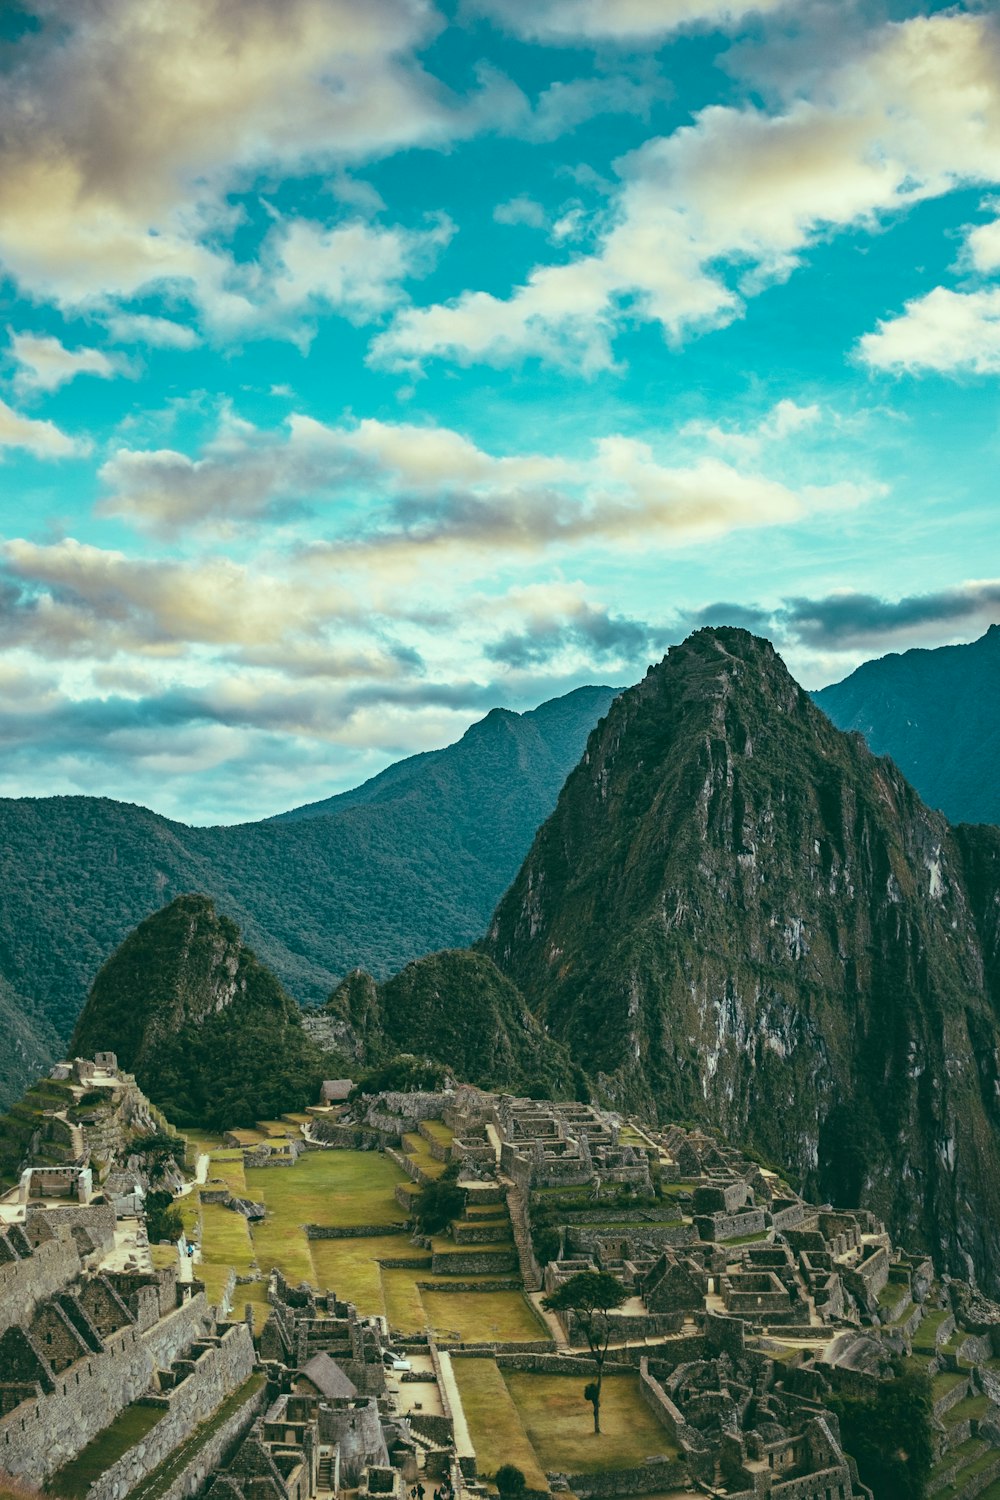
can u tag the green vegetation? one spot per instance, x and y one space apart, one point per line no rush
510 1480
889 1434
163 1220
74 1479
208 1031
590 1296
494 1421
413 861
439 1202
560 1432
401 1074
159 1481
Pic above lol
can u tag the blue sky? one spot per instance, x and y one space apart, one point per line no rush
368 366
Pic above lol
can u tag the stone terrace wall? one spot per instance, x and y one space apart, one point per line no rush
39 1436
654 1476
216 1373
192 1477
26 1282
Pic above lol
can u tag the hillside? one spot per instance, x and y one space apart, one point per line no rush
738 914
208 1031
413 861
455 1007
937 713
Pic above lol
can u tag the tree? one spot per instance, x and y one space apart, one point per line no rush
440 1201
510 1481
590 1295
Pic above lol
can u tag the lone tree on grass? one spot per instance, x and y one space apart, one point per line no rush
590 1295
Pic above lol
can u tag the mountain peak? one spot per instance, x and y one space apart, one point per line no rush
737 914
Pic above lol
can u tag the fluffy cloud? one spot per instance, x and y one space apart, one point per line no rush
617 20
44 364
124 125
69 598
44 439
784 420
432 487
945 330
161 333
713 213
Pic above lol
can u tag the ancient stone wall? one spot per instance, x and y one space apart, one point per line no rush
39 1436
654 1476
191 1479
214 1375
29 1280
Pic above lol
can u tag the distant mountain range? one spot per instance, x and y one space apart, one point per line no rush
937 713
413 860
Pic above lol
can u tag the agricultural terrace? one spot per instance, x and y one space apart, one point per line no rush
382 1273
542 1422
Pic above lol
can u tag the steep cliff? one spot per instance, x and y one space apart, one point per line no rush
737 914
207 1030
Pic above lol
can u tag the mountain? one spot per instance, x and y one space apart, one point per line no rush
937 713
208 1031
455 1007
414 860
30 1043
739 915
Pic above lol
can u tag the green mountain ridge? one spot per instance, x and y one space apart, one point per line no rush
737 914
937 713
208 1031
454 1006
414 860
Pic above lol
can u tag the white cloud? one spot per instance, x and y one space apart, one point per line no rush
44 439
124 126
983 246
784 419
713 213
45 364
617 20
431 488
356 268
520 210
946 331
141 328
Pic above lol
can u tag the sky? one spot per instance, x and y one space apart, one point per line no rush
370 365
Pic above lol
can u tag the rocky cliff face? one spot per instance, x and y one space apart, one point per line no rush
737 914
207 1030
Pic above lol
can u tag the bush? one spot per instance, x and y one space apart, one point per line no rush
510 1480
440 1202
163 1220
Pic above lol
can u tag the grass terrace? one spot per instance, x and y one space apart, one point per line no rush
926 1335
441 1132
483 1317
414 1145
351 1268
165 1475
560 1423
330 1187
494 1422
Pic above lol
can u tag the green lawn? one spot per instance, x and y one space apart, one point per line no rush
483 1317
283 1247
495 1427
350 1267
74 1479
560 1423
403 1305
330 1187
